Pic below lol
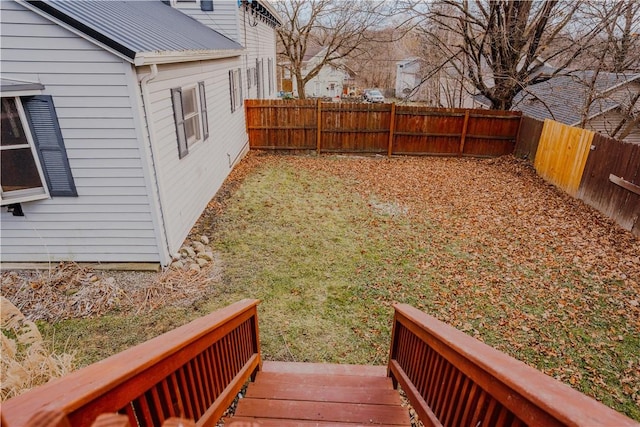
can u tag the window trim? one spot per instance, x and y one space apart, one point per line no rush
28 194
177 102
196 114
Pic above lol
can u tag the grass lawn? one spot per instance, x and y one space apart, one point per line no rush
330 243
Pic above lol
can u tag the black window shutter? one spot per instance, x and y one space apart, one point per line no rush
178 113
233 102
206 5
203 111
47 138
240 84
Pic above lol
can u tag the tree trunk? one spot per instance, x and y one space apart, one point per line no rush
300 83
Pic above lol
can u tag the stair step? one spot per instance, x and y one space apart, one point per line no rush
266 422
322 393
323 411
326 380
324 368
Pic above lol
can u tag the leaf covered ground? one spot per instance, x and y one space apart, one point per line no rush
329 243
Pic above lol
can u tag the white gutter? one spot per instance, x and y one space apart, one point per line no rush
168 57
144 88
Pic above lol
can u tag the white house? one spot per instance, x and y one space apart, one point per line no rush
441 87
121 120
331 81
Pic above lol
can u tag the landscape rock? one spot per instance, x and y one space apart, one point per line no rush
206 255
188 251
199 247
178 265
194 267
202 262
204 239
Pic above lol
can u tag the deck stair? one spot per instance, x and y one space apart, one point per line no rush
304 394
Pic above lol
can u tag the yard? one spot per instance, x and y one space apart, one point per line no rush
330 243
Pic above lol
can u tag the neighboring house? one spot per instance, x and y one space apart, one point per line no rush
439 88
121 120
331 81
610 105
409 79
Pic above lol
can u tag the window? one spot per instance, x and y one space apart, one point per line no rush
190 113
205 5
32 153
235 89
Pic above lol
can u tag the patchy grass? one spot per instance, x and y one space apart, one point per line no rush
329 244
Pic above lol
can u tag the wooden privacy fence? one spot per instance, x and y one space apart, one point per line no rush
453 379
389 129
603 172
611 181
194 371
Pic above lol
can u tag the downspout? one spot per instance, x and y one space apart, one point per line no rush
144 88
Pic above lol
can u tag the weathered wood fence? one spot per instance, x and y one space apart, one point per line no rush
389 129
568 157
602 172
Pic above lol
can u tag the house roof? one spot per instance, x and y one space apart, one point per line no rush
141 31
563 98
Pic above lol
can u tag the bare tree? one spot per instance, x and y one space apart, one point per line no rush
615 57
498 46
338 26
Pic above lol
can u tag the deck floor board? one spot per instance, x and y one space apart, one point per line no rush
321 395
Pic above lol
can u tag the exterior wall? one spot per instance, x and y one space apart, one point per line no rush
320 85
112 219
607 122
407 77
222 19
259 39
186 185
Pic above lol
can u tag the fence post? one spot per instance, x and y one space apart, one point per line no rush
319 120
463 136
392 128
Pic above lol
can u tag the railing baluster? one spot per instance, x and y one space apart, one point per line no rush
192 390
461 403
155 395
451 399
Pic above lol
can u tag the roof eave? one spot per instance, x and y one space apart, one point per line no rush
170 57
597 114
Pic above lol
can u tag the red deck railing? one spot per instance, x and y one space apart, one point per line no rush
453 379
193 372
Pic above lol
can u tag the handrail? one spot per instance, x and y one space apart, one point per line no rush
452 379
194 371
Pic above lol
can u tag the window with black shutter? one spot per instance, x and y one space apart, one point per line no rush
33 156
190 114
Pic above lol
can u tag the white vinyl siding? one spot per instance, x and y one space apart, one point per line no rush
111 219
222 19
607 122
260 44
187 185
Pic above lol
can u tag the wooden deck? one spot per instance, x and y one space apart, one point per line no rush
308 394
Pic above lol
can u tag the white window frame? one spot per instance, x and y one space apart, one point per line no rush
197 114
29 194
174 3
